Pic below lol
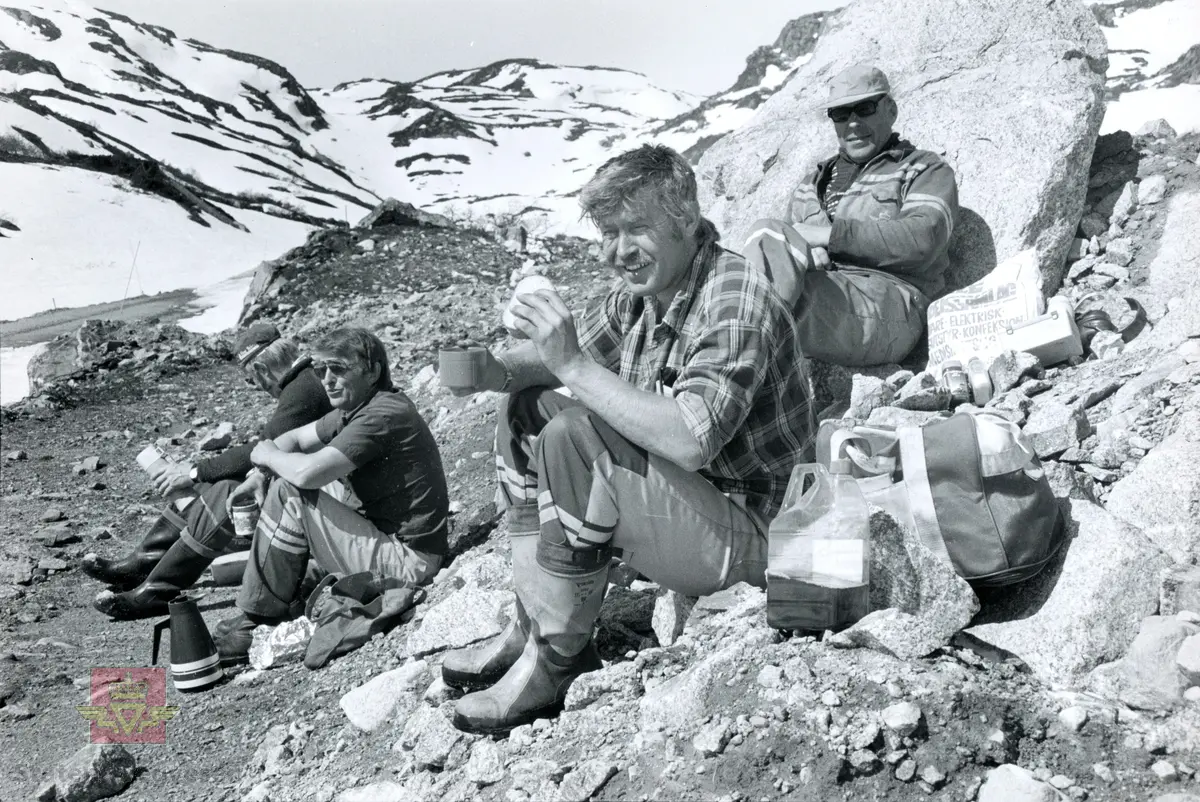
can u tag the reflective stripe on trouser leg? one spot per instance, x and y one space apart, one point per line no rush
578 511
775 248
279 553
209 530
521 419
599 491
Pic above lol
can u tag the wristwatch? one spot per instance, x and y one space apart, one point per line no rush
194 474
508 376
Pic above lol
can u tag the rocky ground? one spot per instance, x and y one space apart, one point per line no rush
703 702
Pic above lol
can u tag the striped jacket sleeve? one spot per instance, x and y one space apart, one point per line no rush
907 244
804 205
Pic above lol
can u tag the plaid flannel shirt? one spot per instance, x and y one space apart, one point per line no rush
726 350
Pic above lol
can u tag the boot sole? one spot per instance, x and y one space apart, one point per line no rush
134 615
468 683
232 661
465 724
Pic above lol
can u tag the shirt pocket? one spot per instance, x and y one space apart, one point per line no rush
886 201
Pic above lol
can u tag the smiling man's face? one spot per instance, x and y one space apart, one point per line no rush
347 384
647 251
862 136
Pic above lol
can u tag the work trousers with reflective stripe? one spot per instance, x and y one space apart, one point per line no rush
850 316
296 525
204 522
589 493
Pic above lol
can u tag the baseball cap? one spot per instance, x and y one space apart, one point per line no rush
859 82
253 341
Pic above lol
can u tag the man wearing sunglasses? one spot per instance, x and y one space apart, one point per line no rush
374 444
863 249
194 531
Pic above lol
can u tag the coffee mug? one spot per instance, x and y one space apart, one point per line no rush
462 368
245 517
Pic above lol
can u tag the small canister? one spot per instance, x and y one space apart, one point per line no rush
954 379
981 381
153 460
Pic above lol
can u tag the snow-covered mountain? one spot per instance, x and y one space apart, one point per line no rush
1154 62
132 159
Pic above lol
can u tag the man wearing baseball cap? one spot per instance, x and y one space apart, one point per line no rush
863 249
189 535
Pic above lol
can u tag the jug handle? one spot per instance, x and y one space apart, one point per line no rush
801 471
158 631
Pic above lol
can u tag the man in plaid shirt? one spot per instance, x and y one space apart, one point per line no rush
689 409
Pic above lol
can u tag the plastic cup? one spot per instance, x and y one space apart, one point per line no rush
462 368
526 286
245 517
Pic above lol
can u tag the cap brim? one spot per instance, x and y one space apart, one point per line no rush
850 100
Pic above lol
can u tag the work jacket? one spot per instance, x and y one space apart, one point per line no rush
897 217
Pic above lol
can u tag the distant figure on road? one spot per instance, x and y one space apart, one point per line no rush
193 532
863 250
361 489
690 408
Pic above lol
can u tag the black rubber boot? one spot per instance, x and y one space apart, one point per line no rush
236 634
481 667
177 571
132 569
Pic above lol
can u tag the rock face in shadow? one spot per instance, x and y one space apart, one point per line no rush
962 74
1085 607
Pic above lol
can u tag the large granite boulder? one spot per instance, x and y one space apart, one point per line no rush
1010 92
1162 495
1085 607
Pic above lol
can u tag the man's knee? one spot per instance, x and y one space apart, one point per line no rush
281 491
569 425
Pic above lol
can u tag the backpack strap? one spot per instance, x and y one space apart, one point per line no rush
920 491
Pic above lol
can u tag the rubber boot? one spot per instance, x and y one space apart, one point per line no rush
236 636
132 569
562 612
177 571
482 666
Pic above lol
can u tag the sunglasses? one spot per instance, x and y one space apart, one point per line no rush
338 369
863 109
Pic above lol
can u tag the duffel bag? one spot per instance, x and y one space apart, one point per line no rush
969 485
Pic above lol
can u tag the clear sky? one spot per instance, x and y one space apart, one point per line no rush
691 45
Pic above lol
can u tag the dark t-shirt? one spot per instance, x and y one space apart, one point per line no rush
301 401
397 468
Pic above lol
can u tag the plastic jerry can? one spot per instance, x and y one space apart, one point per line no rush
819 551
1052 337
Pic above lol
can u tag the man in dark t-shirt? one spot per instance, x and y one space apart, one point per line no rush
195 529
375 444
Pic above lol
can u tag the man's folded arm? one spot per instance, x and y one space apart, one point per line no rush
290 412
906 244
302 458
653 421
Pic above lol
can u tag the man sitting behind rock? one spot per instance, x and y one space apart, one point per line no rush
191 533
863 250
690 408
375 442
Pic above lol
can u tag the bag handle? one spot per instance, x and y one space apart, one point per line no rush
847 442
920 492
326 581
